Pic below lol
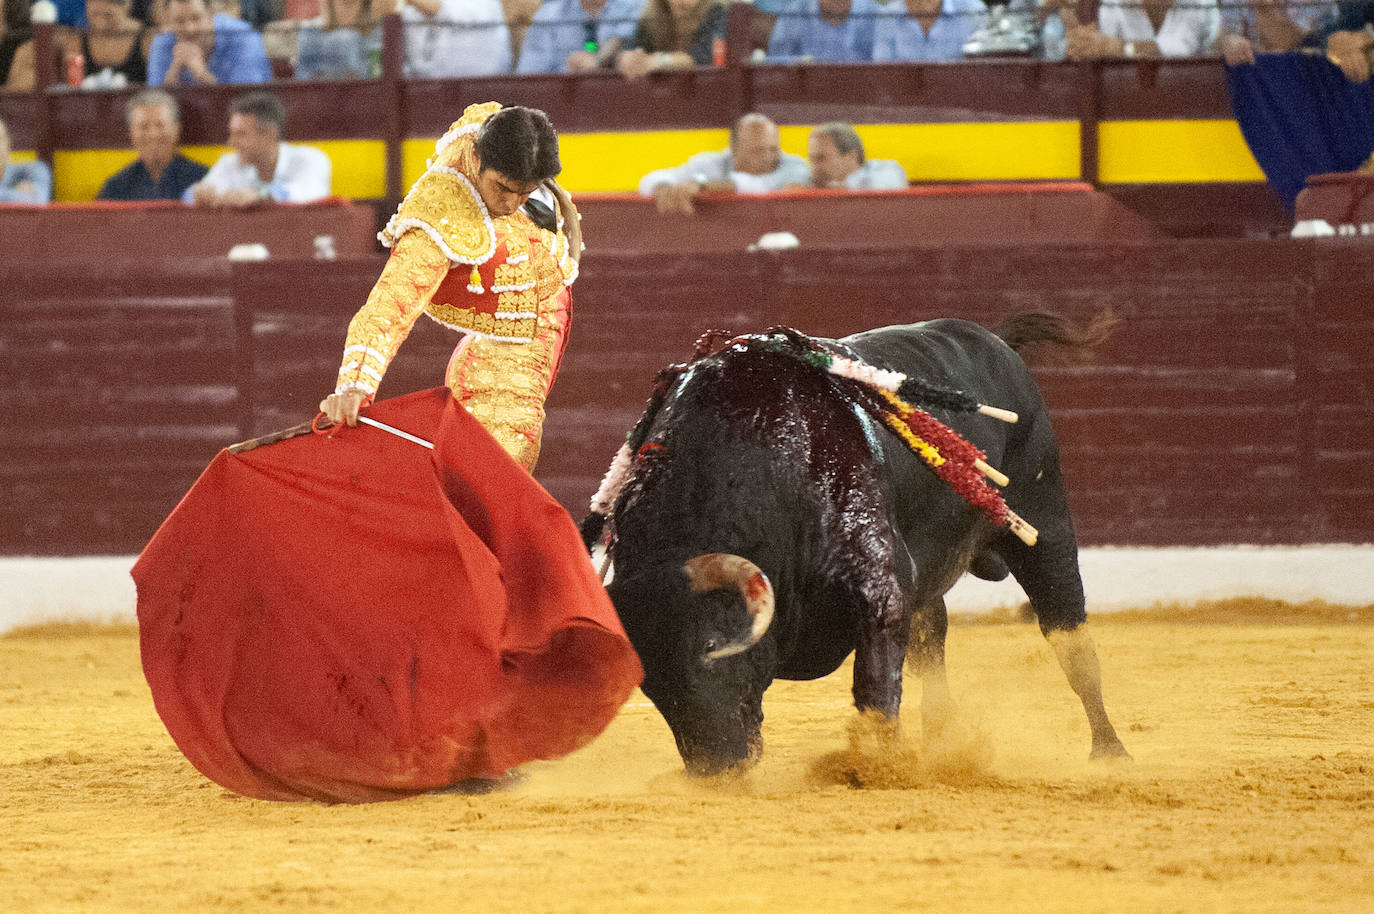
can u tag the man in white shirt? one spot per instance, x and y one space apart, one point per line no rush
262 167
454 38
1128 28
838 161
754 164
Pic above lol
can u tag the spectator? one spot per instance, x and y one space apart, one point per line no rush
575 36
447 38
345 42
200 49
262 167
838 161
926 29
836 30
673 35
115 41
1181 28
160 172
1346 39
1268 26
22 182
754 164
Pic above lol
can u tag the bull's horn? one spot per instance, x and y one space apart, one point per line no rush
721 569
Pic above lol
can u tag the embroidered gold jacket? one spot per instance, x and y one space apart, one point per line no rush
452 261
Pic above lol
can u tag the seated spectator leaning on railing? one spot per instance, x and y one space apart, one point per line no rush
1348 39
160 172
447 38
833 30
754 164
926 29
575 36
1131 28
1267 26
838 162
22 182
345 42
673 35
262 168
200 49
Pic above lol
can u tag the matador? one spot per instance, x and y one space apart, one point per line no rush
468 250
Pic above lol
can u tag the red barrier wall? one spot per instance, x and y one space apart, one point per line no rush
1235 402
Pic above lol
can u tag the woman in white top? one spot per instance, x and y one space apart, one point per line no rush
1145 28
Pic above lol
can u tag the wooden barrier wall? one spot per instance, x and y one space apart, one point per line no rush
1235 402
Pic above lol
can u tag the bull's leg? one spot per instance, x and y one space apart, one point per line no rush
1048 573
880 649
929 625
1079 660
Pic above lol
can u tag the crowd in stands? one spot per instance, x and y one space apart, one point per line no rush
206 42
193 42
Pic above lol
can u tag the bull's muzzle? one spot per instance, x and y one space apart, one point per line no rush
721 569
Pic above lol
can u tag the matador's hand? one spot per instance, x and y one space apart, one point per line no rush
343 407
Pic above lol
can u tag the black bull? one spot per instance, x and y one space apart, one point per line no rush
753 453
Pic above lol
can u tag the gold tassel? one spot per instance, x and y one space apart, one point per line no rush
475 282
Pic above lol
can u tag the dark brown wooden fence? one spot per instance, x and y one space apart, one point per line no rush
1235 402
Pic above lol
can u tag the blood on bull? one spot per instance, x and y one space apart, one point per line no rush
786 501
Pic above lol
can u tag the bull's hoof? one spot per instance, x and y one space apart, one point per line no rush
1112 751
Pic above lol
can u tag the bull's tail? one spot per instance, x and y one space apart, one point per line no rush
1036 328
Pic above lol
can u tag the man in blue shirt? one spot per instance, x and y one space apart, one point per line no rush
574 36
834 30
926 29
160 172
22 182
200 49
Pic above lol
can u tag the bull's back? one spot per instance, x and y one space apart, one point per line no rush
953 353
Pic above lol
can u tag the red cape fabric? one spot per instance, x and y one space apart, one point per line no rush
356 617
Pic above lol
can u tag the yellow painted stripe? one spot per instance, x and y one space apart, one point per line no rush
614 162
1164 151
359 168
997 151
1174 152
78 174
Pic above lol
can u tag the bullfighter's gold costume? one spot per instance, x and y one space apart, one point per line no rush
503 282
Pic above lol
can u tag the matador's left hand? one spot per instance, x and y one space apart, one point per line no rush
343 407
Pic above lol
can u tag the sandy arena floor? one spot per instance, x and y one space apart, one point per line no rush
1252 790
